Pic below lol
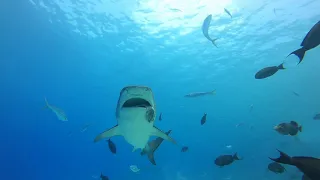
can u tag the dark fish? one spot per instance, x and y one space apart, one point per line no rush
268 71
291 128
152 147
308 165
295 93
228 12
160 117
310 41
184 149
204 119
276 168
103 177
197 94
224 160
304 177
316 117
112 146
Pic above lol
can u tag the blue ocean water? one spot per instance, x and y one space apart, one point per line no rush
79 54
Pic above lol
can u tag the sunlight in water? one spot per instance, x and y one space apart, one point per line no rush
168 14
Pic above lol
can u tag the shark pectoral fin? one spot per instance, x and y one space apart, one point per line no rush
151 158
157 132
114 131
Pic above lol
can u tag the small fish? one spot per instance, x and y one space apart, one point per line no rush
251 107
134 168
310 41
224 160
292 128
205 29
239 124
112 146
268 71
204 119
160 117
103 177
310 166
175 10
184 149
296 94
229 146
59 113
226 10
197 94
276 168
316 117
85 128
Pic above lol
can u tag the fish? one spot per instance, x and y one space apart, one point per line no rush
316 117
134 168
205 29
112 146
304 177
310 41
204 119
85 127
292 128
103 177
224 160
135 114
251 108
184 149
59 112
268 71
228 12
198 94
160 117
310 166
152 147
296 94
276 168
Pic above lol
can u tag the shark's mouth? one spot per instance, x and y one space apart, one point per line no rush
136 102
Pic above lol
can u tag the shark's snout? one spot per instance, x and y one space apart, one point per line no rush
136 96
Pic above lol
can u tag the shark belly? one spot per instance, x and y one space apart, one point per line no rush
134 127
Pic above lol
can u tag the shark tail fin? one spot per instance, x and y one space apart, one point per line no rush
114 131
213 92
151 158
214 42
157 132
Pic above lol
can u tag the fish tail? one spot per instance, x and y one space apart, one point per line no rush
300 128
281 66
284 159
235 157
214 42
300 53
213 92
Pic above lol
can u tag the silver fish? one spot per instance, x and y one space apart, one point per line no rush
59 112
205 29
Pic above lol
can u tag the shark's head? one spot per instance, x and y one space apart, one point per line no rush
137 97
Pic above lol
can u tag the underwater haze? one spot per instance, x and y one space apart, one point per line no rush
79 54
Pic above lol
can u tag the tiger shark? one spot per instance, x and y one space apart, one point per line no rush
135 114
152 147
